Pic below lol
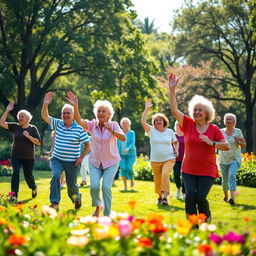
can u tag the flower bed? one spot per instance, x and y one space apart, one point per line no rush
5 168
28 231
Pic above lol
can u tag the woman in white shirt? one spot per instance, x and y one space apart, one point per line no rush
164 148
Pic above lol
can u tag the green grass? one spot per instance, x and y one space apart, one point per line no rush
144 195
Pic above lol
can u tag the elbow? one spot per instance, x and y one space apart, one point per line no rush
123 138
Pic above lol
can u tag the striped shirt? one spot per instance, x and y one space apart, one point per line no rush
67 140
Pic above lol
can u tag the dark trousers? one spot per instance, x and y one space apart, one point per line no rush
27 165
197 189
177 176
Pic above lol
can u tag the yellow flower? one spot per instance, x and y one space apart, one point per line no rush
78 240
103 232
183 227
231 249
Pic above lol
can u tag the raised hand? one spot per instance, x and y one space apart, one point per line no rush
26 134
48 98
10 106
148 103
173 81
72 98
108 126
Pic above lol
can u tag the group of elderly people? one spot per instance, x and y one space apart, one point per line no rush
111 147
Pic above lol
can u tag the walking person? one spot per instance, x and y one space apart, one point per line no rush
25 137
199 168
66 152
84 170
230 161
163 150
104 157
127 151
177 167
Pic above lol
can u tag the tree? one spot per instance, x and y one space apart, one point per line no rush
146 27
42 40
219 30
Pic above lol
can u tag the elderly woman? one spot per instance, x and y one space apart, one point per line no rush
199 168
230 161
163 150
104 157
127 152
25 137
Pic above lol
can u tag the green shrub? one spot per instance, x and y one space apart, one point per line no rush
42 163
5 170
142 169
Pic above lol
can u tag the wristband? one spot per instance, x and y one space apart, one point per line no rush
214 143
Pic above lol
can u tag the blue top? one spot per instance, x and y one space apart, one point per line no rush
67 140
130 142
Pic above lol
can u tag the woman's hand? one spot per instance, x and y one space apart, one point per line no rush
148 104
26 134
48 98
108 126
205 139
72 98
173 81
10 106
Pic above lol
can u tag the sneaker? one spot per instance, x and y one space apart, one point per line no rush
225 199
184 196
83 183
13 198
159 201
164 202
178 194
34 193
231 201
78 204
55 206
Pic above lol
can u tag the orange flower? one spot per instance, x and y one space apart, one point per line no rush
145 242
16 240
246 219
3 221
183 227
132 204
136 223
193 218
2 208
156 224
205 248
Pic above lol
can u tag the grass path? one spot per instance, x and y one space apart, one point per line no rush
144 195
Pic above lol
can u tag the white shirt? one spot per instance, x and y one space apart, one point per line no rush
161 145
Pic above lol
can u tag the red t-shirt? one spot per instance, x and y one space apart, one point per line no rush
199 158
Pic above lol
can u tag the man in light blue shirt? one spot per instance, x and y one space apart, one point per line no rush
66 153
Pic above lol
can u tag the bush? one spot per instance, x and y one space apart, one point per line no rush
5 170
42 163
142 169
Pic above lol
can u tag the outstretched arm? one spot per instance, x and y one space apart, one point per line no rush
8 109
178 115
73 99
143 121
44 110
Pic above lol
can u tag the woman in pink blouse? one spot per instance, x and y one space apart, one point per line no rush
104 157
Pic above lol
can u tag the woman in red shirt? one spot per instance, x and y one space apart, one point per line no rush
199 168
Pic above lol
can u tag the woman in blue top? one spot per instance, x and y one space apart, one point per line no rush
127 151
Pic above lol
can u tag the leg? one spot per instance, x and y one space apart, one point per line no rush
28 166
224 168
108 177
165 179
176 172
233 168
129 164
190 182
15 182
71 179
122 166
157 171
203 188
57 169
62 179
84 168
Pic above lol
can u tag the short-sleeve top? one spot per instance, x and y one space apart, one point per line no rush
67 140
199 158
128 144
234 152
161 148
104 149
22 147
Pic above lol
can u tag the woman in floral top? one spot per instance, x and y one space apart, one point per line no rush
230 161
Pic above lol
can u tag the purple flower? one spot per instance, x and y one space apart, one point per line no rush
124 227
232 237
215 238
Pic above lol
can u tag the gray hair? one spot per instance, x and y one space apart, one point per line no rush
105 104
67 106
126 119
207 104
27 114
229 114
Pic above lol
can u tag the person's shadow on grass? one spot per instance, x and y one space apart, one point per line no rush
244 207
129 191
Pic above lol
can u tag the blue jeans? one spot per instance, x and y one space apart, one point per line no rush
71 172
107 176
228 172
126 166
27 165
197 189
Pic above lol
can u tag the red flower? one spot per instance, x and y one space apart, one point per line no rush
205 249
16 240
145 242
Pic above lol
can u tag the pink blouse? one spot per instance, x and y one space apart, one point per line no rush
103 144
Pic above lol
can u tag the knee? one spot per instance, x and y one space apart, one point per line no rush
200 199
106 189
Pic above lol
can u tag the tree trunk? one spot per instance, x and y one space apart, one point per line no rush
248 128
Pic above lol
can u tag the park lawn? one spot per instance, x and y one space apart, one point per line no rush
143 194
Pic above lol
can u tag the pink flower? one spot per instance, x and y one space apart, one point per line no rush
232 237
124 227
104 220
215 238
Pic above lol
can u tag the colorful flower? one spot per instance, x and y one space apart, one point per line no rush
145 242
124 227
78 240
232 237
215 238
132 204
205 249
183 227
16 240
231 249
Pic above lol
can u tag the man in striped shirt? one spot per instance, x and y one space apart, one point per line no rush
66 153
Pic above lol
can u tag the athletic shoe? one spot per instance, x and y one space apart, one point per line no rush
225 199
164 202
34 193
178 194
55 206
78 204
231 201
159 201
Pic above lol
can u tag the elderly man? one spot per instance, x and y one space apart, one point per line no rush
66 153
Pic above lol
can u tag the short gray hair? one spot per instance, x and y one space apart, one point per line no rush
207 104
229 114
27 114
105 104
67 106
126 119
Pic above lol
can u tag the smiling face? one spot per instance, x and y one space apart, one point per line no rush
67 116
125 124
199 113
103 114
23 119
229 121
159 123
